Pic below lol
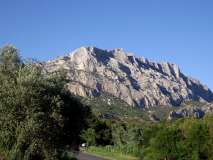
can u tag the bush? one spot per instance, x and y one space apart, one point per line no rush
98 133
39 117
184 139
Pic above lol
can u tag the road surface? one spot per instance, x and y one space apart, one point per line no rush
86 156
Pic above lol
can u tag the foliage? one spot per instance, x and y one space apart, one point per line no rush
38 116
183 139
89 136
99 133
109 107
178 140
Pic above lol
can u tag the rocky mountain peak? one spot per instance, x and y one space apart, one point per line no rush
137 81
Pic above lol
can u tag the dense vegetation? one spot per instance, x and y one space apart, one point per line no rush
179 140
40 119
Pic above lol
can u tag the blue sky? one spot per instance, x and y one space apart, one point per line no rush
179 31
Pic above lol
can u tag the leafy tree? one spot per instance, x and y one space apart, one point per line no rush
197 137
99 133
89 136
165 144
9 59
39 118
181 140
120 134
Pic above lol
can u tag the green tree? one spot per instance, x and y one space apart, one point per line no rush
165 144
89 136
39 117
197 138
99 133
9 59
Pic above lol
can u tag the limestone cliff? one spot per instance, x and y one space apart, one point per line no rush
137 81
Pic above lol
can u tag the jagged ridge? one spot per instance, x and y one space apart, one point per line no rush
137 81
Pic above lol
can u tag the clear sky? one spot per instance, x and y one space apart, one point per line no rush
179 31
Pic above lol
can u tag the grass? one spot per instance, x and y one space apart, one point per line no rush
109 153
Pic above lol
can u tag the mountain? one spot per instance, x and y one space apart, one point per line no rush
196 111
135 80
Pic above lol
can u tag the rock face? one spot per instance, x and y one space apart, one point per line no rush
196 112
137 81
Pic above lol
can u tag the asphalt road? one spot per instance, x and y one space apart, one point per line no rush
85 156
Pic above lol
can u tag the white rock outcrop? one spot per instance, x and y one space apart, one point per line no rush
137 81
